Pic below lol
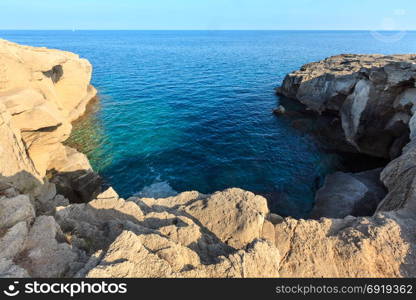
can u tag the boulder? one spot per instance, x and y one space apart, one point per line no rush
366 91
127 257
378 247
11 243
15 210
74 177
240 225
8 269
43 255
347 194
281 110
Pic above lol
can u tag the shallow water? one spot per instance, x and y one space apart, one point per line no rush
192 110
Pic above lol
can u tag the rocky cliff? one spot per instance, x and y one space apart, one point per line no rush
55 222
371 95
372 98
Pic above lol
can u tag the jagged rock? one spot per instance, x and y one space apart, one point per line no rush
15 210
381 246
43 256
11 243
7 190
45 200
169 238
43 91
400 179
243 221
346 194
128 257
74 177
92 262
16 167
60 200
367 91
9 270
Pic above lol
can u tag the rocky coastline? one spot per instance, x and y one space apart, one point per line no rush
57 220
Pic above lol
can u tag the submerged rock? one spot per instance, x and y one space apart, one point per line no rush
281 110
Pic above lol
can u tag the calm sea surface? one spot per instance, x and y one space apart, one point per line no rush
191 110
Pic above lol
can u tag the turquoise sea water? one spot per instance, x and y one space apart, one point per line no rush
191 110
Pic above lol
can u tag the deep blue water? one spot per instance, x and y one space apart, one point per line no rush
193 109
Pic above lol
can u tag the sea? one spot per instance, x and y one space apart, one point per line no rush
192 110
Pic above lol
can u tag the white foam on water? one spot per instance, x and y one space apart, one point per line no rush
159 189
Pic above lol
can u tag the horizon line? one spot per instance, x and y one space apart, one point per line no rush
75 29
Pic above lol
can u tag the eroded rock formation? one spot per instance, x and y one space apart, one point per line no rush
372 94
41 92
374 97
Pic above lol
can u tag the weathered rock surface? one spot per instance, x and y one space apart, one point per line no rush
41 92
347 194
380 246
44 256
373 95
174 237
15 210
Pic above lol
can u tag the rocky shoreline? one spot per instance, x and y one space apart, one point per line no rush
57 221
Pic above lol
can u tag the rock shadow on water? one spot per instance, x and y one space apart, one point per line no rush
88 136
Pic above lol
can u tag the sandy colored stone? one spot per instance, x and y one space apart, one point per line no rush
43 90
234 216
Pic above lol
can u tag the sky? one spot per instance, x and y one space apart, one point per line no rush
209 14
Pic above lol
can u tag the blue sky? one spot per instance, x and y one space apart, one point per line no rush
208 14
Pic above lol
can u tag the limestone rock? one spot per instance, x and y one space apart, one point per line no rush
43 255
400 179
13 240
346 194
258 260
16 167
15 210
23 100
381 246
74 177
367 91
243 222
169 238
374 96
10 270
42 91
